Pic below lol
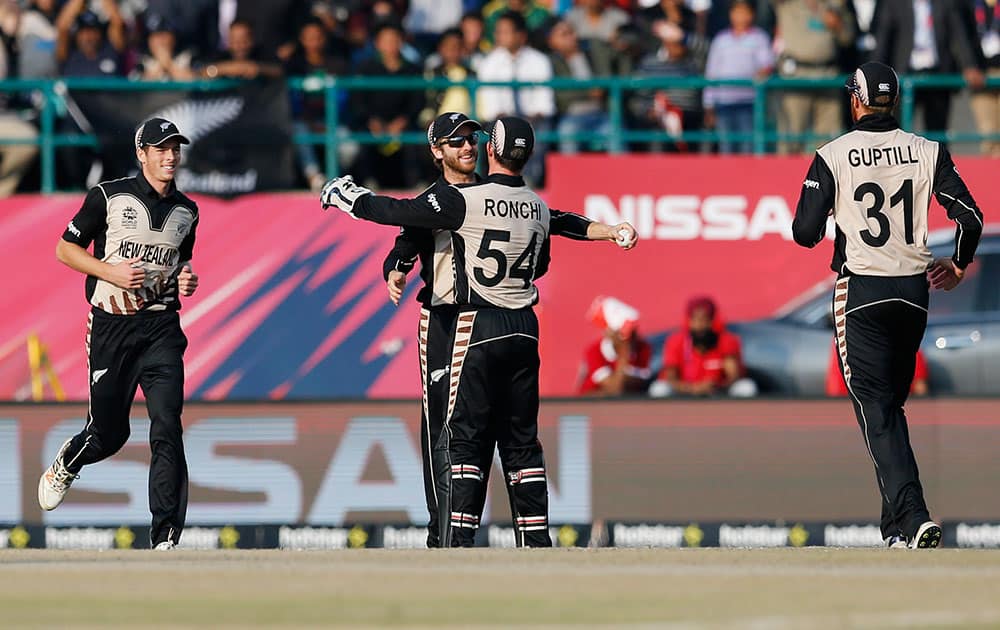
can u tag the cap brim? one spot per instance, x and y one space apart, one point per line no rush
181 138
467 121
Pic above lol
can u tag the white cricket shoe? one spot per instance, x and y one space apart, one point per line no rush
55 482
166 545
896 542
928 536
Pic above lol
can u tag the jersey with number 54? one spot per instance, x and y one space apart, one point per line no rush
877 181
499 230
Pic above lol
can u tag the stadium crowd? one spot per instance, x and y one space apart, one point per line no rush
154 40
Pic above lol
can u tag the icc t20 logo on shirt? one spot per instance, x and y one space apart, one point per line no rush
130 218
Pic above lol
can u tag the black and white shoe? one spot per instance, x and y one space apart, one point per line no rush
55 482
896 542
928 536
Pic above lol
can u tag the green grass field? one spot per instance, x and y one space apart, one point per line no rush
685 588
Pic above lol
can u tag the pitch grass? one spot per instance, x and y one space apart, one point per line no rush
689 588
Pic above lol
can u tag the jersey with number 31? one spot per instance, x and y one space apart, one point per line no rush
877 181
883 196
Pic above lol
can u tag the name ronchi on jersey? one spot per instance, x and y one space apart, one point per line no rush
154 254
513 209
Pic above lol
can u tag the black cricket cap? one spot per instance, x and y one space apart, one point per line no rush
447 125
156 131
875 84
512 138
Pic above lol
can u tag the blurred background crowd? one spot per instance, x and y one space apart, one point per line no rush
502 40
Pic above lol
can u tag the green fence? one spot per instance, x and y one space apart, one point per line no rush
53 102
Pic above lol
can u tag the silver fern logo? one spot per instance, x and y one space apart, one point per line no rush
200 118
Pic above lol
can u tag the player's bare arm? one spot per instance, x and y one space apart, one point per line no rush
126 274
622 234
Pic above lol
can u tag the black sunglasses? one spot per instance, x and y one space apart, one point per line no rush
456 142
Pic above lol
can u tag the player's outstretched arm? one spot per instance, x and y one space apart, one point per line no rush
579 228
622 234
443 210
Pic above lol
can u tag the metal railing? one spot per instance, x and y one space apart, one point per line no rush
52 95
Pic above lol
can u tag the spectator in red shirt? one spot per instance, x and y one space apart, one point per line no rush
619 362
703 358
836 387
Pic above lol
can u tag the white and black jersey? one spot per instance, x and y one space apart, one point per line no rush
877 181
434 250
499 232
124 219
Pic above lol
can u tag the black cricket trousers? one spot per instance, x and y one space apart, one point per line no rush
123 353
435 334
492 395
879 324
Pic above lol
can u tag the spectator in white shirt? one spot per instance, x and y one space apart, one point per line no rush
514 60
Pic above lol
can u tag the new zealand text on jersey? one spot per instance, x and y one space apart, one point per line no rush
162 256
887 156
512 209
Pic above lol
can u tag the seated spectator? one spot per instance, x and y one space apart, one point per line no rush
702 358
242 59
474 46
596 20
163 62
426 20
579 110
15 159
514 60
275 24
674 110
83 49
836 387
364 26
32 33
740 52
986 102
651 20
619 362
312 58
387 113
535 15
447 63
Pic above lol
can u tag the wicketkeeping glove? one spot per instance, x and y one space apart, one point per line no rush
343 193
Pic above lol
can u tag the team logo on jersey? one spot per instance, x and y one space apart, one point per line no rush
130 218
437 375
182 229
